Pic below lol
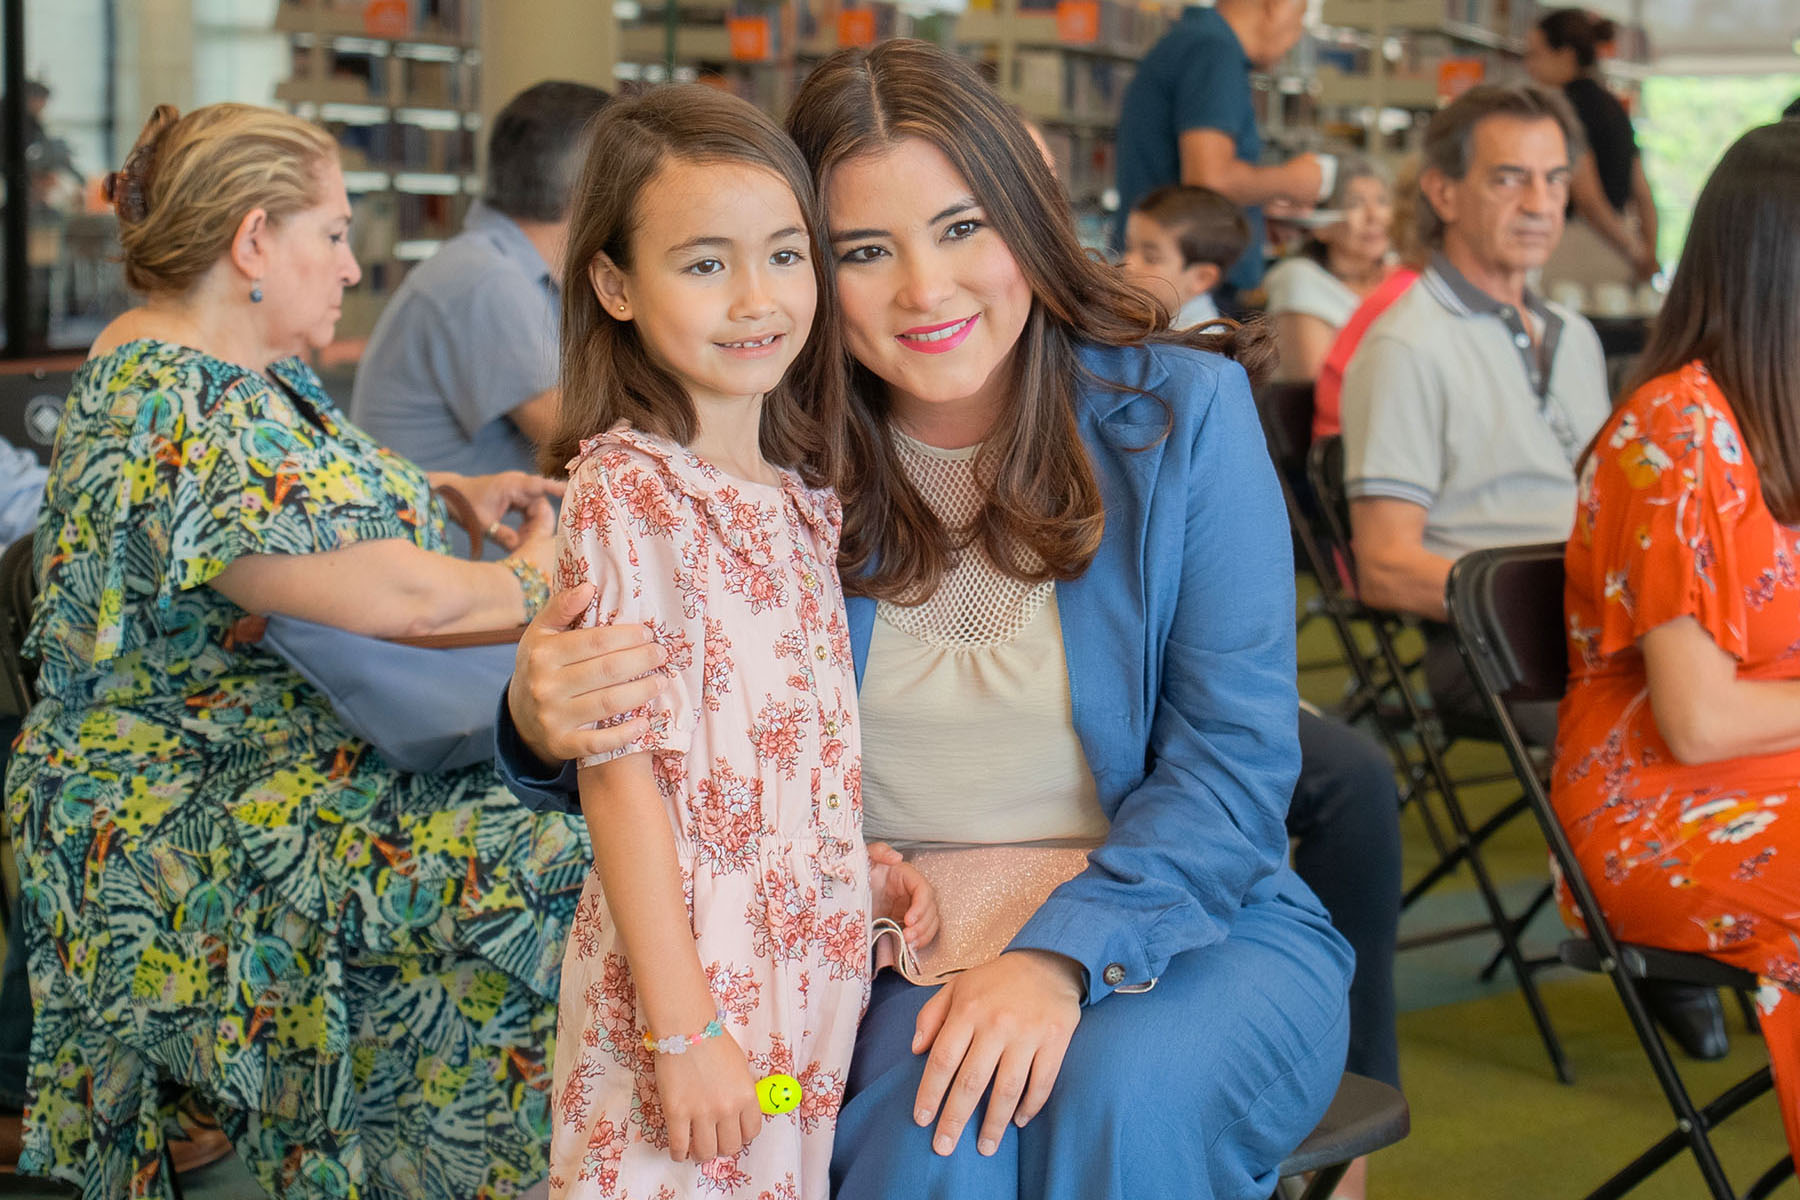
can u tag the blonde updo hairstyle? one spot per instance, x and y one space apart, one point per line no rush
189 182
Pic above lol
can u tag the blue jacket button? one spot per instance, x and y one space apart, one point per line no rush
1114 975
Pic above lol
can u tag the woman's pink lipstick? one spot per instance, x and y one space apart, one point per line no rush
950 335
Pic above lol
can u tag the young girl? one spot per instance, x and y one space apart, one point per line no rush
724 936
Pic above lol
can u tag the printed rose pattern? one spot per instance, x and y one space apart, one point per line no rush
1671 523
739 582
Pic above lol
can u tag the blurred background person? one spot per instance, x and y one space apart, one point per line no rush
1188 117
460 371
1611 232
1179 243
1313 293
1409 260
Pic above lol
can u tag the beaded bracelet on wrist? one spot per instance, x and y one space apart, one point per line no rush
532 584
677 1044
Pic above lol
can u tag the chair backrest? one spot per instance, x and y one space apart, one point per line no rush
1325 471
1286 410
1511 617
1506 610
18 589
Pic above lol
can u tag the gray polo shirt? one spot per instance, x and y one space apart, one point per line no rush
470 335
1448 404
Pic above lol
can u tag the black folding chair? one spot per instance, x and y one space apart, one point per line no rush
16 593
1365 1116
1421 741
1506 607
16 677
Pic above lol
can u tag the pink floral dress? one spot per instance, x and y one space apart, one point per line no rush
755 749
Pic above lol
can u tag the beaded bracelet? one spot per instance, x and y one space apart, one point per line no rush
677 1044
532 584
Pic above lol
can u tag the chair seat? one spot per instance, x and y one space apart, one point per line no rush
1648 962
1364 1116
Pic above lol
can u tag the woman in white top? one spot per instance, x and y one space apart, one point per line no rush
1312 294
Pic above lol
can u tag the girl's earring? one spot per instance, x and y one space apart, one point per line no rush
256 292
622 308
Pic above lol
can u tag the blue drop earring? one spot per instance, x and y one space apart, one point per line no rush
256 292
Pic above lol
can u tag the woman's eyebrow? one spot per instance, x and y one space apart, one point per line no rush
856 235
963 205
851 235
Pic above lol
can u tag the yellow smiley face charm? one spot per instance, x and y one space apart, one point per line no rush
778 1094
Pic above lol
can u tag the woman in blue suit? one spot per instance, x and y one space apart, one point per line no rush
1072 621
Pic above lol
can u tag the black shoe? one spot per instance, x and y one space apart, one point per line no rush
1692 1015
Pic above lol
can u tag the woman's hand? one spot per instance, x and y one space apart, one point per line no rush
567 680
539 549
487 500
1007 1022
708 1100
898 891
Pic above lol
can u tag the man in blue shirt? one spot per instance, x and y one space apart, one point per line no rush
460 372
1187 118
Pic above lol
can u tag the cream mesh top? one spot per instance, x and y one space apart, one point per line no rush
968 735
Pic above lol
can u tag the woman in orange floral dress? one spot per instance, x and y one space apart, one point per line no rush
1678 756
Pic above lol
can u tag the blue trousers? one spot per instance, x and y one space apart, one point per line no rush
1345 822
1196 1089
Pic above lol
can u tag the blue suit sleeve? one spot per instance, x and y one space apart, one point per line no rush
522 774
1207 823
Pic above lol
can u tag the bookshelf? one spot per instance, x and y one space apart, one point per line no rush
760 51
1385 65
397 83
1066 66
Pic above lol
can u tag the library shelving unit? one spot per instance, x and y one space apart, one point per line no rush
1385 65
761 51
398 84
1065 64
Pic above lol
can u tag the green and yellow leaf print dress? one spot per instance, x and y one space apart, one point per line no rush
224 891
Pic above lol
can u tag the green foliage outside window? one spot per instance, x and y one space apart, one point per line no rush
1685 124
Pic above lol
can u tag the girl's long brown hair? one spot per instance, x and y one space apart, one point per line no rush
607 374
1042 516
1734 304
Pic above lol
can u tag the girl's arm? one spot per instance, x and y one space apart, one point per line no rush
708 1098
383 588
1703 710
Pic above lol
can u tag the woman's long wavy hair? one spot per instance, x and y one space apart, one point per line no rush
1734 305
608 374
1042 514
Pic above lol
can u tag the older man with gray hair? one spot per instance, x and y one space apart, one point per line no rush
460 372
1470 401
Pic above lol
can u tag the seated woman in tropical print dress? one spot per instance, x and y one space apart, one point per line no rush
227 894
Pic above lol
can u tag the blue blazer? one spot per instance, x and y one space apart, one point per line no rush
1180 644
